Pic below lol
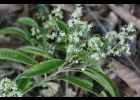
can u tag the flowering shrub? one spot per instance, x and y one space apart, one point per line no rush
73 39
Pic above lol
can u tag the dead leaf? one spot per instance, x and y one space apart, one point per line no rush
97 13
125 15
113 20
128 75
7 8
67 7
48 92
71 93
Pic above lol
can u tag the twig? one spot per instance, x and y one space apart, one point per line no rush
66 85
96 19
134 67
48 78
6 74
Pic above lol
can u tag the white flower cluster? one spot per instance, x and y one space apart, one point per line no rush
75 21
9 88
36 32
114 47
78 41
50 49
56 14
111 66
52 36
95 43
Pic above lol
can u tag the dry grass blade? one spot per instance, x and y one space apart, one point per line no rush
125 15
128 75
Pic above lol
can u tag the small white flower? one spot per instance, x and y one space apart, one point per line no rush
116 53
83 44
83 69
102 55
76 39
70 23
132 38
54 34
77 13
50 51
76 61
37 30
70 37
57 13
89 26
62 34
123 28
69 48
80 33
59 39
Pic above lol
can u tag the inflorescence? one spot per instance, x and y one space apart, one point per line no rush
78 40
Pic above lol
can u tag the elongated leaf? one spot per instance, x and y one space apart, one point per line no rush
30 84
35 50
22 83
14 30
83 83
62 26
82 54
41 68
111 87
101 78
105 43
60 46
103 94
16 55
27 21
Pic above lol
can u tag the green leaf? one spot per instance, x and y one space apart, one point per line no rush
22 83
111 87
98 67
105 43
82 53
16 55
60 46
101 78
35 50
41 68
30 84
14 30
83 83
62 26
103 94
27 21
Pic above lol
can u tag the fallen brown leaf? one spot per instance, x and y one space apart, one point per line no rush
128 75
48 92
7 8
125 15
67 7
